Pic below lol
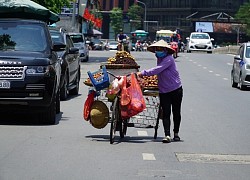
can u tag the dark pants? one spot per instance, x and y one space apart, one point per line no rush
171 100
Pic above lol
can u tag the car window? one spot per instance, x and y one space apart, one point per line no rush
113 43
199 36
247 54
76 38
241 51
69 42
56 36
22 37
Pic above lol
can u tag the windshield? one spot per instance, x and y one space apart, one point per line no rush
56 36
77 38
22 37
200 36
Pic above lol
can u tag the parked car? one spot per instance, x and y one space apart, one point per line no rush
198 41
97 44
30 69
240 74
70 63
79 42
113 45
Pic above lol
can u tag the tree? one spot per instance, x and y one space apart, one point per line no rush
54 5
135 14
243 16
116 20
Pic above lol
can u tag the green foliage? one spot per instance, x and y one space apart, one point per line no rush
243 15
135 13
54 5
116 19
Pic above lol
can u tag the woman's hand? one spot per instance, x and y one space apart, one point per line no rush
139 74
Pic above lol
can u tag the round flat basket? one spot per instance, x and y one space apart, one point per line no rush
99 114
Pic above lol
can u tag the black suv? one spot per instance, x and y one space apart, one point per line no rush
70 63
29 68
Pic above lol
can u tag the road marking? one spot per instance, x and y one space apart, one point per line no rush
230 64
210 71
142 133
148 157
214 158
217 74
204 67
225 79
199 65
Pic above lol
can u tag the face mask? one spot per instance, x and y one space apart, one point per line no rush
160 54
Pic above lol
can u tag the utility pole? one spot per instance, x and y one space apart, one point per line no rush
74 15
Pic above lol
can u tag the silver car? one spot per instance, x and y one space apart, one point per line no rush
199 41
240 74
80 43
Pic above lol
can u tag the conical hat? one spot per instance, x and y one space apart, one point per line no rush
161 43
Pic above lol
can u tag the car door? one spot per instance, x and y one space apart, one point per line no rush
237 63
72 60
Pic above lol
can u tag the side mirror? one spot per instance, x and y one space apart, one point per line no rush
87 42
237 57
212 39
188 38
73 50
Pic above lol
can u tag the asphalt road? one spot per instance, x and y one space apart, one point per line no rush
214 132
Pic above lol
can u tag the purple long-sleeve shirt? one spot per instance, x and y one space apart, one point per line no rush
166 71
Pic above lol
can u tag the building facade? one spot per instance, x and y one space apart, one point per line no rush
173 14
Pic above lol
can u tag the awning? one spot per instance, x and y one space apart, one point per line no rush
26 9
96 32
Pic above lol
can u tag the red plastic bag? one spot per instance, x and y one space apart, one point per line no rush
125 97
87 105
137 103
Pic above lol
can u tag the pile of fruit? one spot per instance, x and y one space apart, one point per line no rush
96 76
122 57
150 82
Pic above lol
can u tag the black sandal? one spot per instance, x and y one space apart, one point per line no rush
176 138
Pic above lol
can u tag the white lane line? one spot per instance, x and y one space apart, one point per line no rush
225 79
204 67
230 64
142 133
148 157
217 74
210 71
199 64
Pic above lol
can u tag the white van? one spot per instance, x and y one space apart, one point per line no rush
199 41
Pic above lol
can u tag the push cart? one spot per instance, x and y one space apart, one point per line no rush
149 117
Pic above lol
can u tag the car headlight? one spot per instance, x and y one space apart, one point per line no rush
247 66
192 41
34 70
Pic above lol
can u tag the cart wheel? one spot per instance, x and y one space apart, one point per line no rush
115 116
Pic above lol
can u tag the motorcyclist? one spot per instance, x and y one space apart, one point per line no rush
121 37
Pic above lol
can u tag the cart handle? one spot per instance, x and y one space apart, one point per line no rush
119 77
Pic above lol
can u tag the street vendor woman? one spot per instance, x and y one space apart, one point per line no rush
169 85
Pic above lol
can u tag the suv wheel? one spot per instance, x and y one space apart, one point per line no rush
58 104
241 86
64 89
49 114
234 84
87 59
75 91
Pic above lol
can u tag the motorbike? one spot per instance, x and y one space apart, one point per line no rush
174 45
138 46
123 45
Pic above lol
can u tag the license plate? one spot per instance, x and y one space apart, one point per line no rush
4 85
